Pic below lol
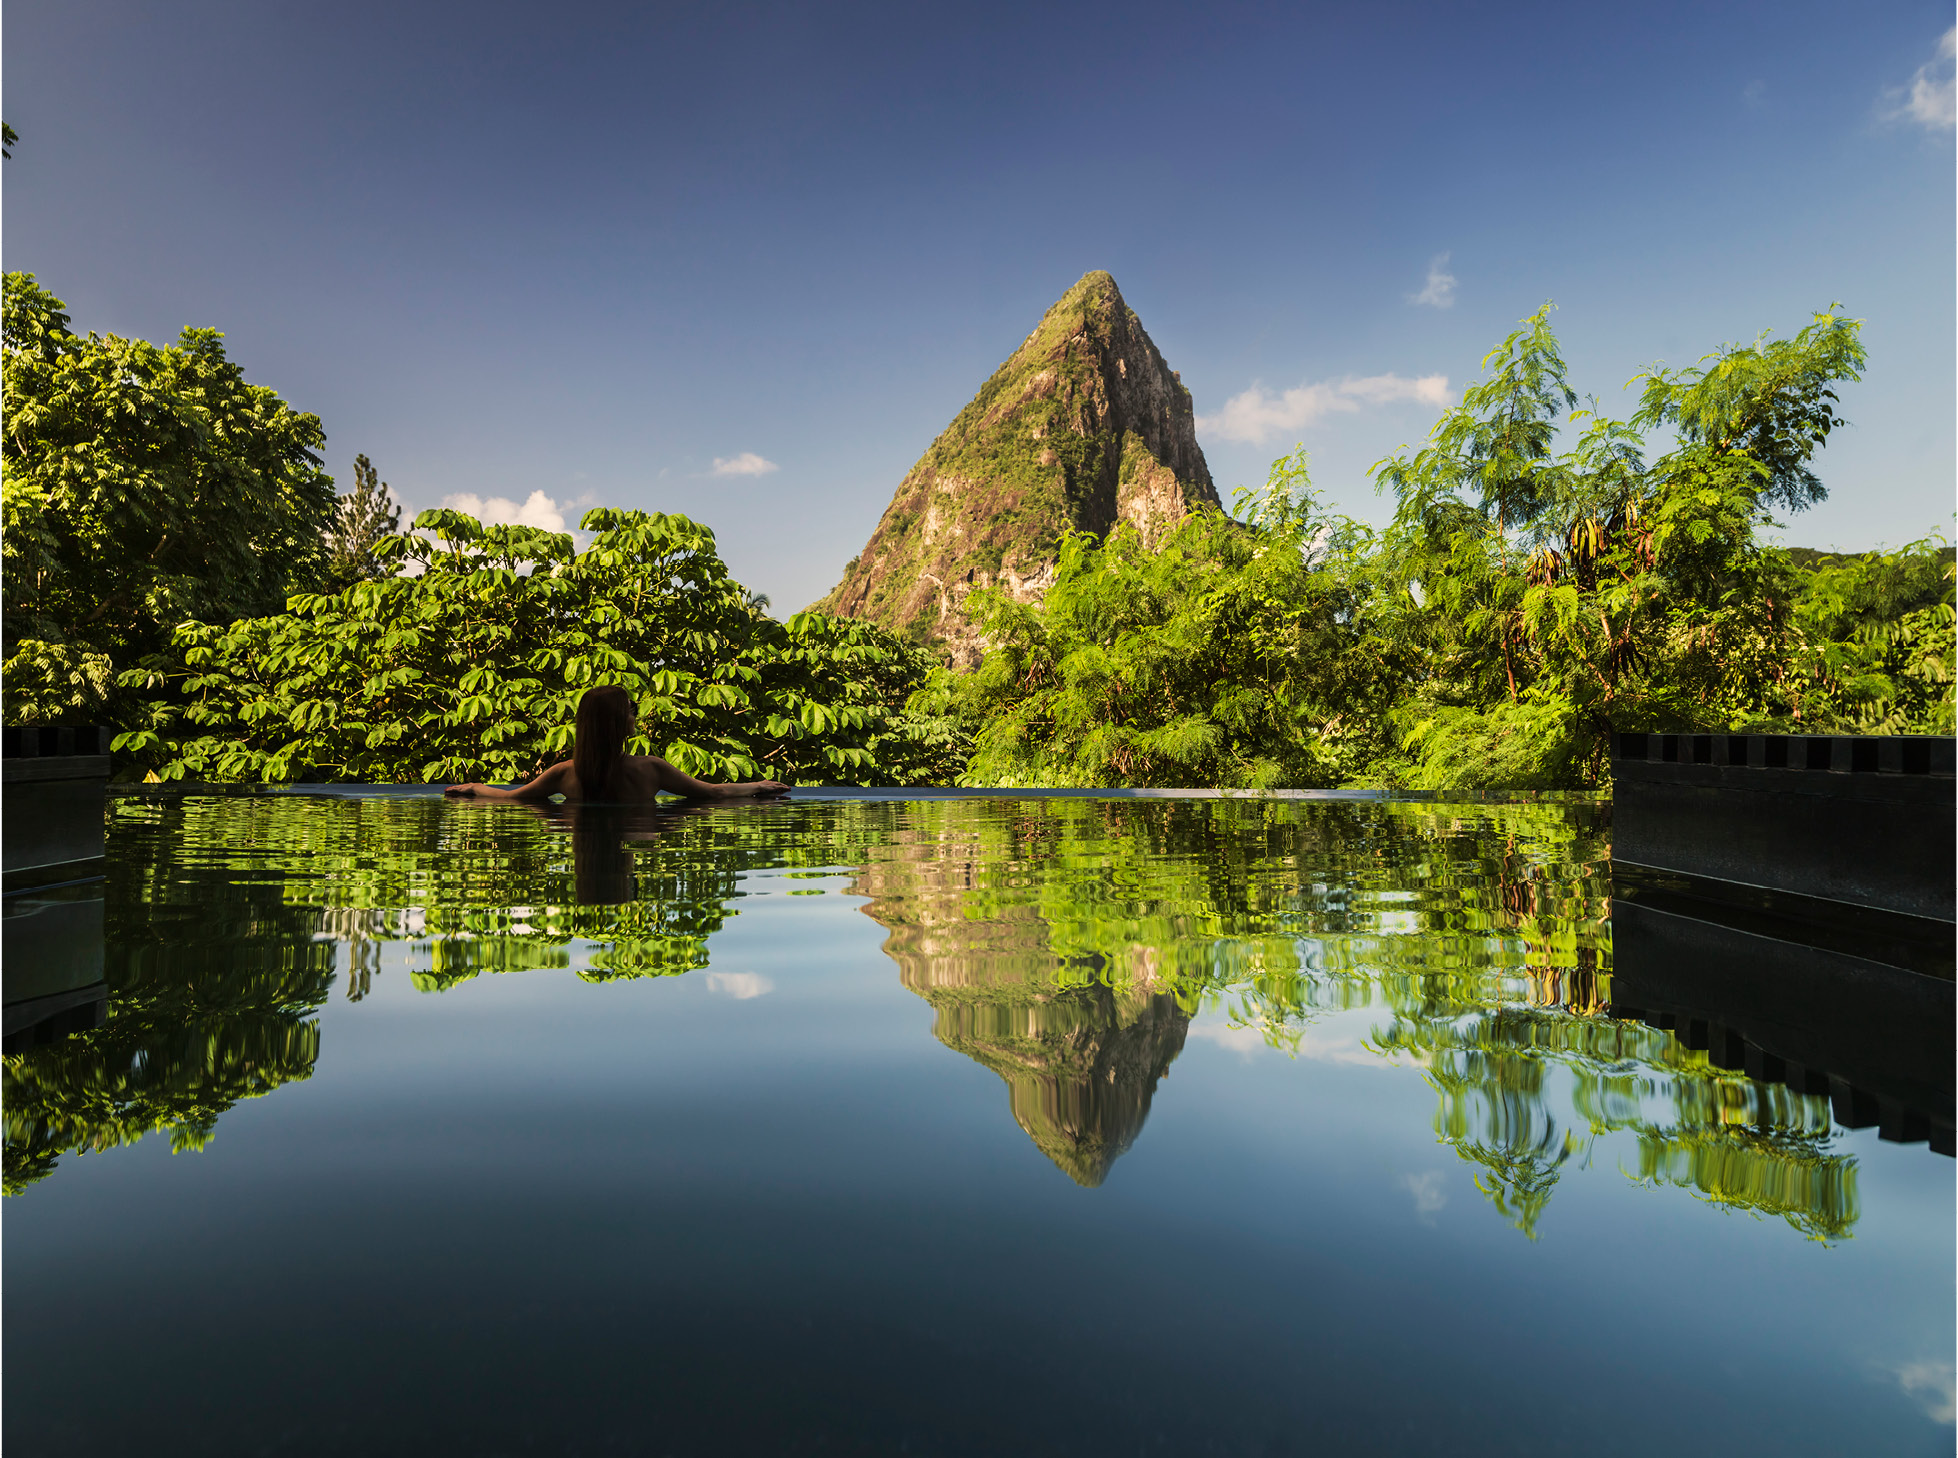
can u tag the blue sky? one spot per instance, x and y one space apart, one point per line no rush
590 251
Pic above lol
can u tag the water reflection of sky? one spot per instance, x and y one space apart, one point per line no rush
855 1176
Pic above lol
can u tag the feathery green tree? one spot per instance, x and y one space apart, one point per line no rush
360 521
1554 596
1227 654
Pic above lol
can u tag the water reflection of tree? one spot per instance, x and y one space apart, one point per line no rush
223 917
1481 930
1063 943
467 889
1735 1142
211 1000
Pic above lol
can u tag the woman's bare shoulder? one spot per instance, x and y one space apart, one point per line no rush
642 773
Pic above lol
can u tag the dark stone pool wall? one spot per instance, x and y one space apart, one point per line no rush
1868 821
1786 904
52 783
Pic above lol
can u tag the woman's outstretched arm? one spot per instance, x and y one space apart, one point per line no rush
544 786
679 782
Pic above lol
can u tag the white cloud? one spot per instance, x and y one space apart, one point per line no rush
739 985
745 464
1428 1194
1755 94
1440 289
1929 99
538 511
1388 389
1930 1382
1255 416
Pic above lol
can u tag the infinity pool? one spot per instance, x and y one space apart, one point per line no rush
969 1126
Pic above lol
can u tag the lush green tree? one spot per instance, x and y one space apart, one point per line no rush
360 521
466 662
142 486
1550 575
1878 639
1223 655
1556 595
213 987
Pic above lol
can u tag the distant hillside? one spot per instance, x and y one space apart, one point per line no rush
1811 560
1085 426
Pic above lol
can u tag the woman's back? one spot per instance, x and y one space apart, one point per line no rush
634 778
600 770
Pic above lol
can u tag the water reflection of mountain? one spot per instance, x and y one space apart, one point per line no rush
1064 944
1080 1051
1081 1064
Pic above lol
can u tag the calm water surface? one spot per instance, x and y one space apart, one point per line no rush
936 1127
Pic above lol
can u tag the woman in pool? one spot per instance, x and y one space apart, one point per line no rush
600 769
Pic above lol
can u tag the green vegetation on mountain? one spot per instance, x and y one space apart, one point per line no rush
1084 427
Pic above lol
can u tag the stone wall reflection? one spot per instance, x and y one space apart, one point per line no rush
209 1001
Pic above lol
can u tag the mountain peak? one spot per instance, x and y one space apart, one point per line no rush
1084 427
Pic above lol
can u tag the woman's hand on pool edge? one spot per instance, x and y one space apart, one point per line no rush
754 789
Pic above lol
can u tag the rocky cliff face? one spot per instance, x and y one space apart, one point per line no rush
1084 427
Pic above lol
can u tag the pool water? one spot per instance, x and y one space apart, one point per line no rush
946 1126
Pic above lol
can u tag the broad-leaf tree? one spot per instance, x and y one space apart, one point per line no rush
467 660
143 486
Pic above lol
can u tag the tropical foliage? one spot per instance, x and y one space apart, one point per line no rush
1225 655
177 565
1557 594
1525 601
143 486
468 662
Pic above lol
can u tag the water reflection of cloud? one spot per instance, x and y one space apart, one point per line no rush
1248 1039
1241 1040
1931 1383
739 985
1323 1049
1428 1194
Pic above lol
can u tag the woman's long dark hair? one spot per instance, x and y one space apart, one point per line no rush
605 721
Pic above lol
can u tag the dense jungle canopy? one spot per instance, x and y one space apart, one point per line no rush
177 565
